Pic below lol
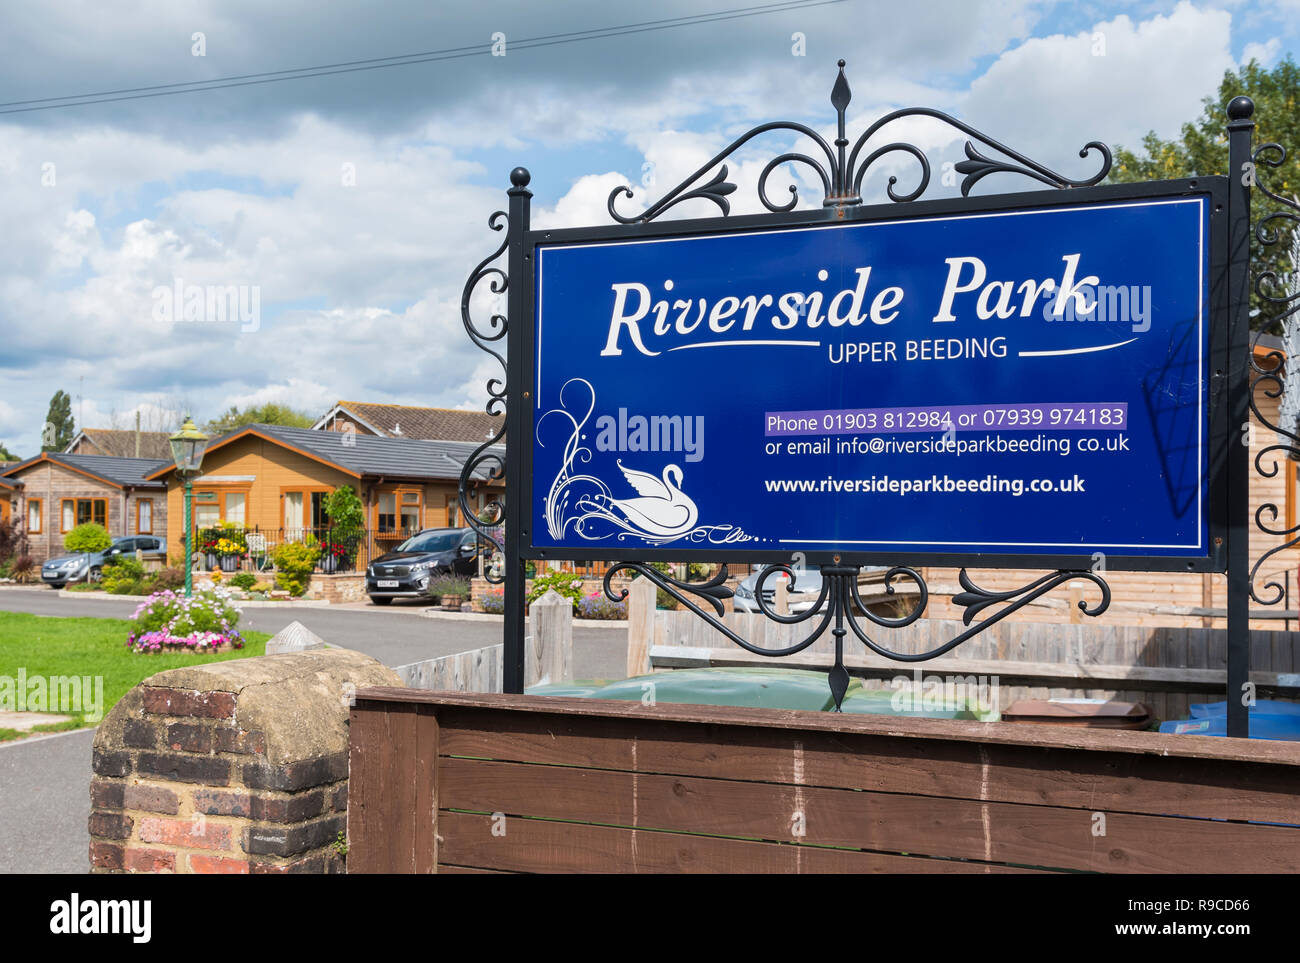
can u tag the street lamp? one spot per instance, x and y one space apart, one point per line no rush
188 445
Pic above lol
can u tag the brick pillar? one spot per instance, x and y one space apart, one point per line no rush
232 767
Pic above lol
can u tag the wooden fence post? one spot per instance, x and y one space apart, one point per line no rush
550 654
640 626
780 594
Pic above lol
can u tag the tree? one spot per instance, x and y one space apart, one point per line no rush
1202 150
267 414
6 454
59 427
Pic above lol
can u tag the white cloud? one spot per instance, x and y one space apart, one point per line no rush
1050 95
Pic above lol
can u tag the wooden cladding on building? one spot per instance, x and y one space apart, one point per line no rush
453 782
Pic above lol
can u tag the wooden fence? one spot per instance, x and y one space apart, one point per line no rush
445 782
548 656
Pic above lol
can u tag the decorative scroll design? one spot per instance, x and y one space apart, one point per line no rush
840 605
486 464
1280 297
841 174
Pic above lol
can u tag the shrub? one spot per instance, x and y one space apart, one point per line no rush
566 583
494 602
171 577
167 621
346 518
24 570
90 537
125 576
243 580
13 540
294 563
598 605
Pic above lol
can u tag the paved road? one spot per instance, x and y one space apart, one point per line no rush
45 781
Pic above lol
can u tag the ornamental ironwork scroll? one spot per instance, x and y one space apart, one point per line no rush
1278 299
841 168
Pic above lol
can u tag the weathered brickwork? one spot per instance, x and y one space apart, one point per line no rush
235 767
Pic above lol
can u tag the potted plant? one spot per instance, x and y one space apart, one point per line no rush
229 554
453 597
207 547
448 589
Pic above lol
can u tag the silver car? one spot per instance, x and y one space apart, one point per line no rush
88 566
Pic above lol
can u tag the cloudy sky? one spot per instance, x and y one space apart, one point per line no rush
353 205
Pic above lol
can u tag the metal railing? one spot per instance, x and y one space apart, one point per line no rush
251 549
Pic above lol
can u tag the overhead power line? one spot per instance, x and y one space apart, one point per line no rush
399 60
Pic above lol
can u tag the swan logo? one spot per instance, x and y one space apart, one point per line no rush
661 508
642 505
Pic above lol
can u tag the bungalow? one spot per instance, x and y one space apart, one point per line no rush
406 421
120 444
8 490
274 480
55 492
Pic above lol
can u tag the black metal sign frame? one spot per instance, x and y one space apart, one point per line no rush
841 170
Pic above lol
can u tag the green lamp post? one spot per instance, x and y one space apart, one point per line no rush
188 445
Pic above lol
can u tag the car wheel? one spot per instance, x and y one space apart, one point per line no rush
94 575
380 600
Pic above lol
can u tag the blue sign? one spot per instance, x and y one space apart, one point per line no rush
1015 383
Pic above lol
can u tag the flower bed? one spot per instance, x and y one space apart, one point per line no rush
168 622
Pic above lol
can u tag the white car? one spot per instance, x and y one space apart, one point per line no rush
802 596
807 586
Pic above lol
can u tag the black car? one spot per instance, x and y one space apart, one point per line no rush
404 572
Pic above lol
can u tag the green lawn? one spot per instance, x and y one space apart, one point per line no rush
88 647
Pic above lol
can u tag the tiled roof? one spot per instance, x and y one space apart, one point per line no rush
118 471
371 455
428 424
121 444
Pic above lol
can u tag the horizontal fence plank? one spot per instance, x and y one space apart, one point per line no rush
957 730
1042 836
1093 782
538 846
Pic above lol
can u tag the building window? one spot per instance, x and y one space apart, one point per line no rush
206 510
33 516
79 511
211 508
303 511
319 517
144 516
387 520
292 512
410 512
